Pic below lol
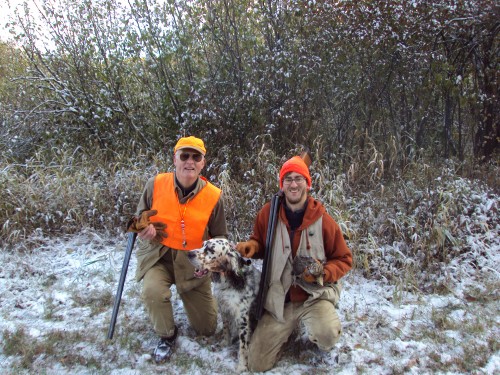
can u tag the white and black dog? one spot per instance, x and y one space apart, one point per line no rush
236 284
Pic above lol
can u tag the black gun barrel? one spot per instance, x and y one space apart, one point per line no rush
266 265
123 275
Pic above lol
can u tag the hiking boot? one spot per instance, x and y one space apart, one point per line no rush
165 348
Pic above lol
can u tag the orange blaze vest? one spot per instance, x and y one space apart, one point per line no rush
195 212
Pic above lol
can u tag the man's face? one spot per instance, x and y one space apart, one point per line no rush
295 188
188 165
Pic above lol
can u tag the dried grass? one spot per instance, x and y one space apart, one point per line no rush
401 224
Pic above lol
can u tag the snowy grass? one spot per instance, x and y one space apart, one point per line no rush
423 297
56 303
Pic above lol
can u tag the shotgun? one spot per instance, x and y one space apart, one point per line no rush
271 228
126 260
266 266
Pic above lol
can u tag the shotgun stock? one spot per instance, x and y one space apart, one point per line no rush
271 228
123 275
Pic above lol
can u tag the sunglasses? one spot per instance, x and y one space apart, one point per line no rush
185 156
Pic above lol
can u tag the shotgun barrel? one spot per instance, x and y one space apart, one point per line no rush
266 265
123 275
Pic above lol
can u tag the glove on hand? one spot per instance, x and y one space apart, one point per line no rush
138 224
248 248
309 269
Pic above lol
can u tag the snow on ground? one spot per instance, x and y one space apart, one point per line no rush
56 302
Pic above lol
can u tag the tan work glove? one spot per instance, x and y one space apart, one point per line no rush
248 248
138 224
309 269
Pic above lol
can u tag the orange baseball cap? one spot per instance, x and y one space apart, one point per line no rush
190 142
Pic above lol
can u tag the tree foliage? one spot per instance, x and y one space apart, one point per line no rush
407 78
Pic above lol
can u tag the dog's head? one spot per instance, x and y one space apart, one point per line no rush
217 255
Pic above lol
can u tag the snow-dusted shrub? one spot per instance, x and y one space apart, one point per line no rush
407 230
67 195
417 226
245 194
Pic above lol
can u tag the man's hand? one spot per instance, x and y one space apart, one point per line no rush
154 232
138 223
248 248
147 230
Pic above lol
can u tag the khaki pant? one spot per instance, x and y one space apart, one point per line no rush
199 303
320 320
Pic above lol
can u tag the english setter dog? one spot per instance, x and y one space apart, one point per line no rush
236 284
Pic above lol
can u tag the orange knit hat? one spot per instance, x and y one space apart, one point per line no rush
295 164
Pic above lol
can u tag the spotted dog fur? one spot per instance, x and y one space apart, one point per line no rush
236 284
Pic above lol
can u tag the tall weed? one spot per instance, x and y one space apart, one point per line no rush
246 193
67 194
401 224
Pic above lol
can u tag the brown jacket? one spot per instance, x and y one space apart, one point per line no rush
338 255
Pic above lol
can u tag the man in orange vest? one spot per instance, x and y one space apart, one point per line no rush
188 209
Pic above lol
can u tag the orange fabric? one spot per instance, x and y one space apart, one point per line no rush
196 212
295 164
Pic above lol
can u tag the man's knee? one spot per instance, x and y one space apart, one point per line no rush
208 324
258 367
256 362
206 328
207 331
151 294
326 339
202 317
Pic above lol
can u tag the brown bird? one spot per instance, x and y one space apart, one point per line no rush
310 269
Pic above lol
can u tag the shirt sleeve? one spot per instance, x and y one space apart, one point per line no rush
146 198
260 229
338 255
217 226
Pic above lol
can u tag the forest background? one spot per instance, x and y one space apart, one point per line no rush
397 101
